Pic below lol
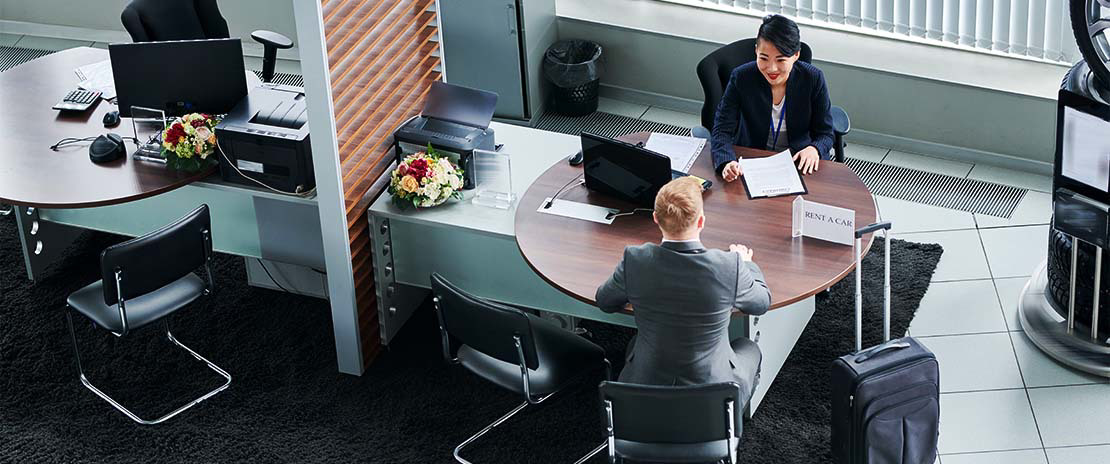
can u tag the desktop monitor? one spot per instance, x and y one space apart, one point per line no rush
179 77
624 170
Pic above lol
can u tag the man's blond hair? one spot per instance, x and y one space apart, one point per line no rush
678 205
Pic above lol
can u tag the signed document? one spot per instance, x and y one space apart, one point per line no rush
772 176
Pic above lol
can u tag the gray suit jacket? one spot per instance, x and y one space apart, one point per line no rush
683 296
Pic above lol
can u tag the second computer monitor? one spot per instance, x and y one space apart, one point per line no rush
179 77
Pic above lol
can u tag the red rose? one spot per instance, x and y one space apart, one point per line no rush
198 122
175 133
418 168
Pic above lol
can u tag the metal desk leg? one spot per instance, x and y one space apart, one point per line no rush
43 242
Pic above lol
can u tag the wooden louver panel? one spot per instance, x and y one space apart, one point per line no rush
383 57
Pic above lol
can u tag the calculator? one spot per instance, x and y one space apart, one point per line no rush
78 100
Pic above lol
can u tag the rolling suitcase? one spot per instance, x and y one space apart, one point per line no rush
885 399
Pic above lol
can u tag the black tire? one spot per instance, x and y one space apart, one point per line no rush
1077 9
1059 245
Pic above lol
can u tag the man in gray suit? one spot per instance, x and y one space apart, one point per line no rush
683 296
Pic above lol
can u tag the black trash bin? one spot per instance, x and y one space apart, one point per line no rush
573 68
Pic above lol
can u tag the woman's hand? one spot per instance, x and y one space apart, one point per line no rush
732 171
807 160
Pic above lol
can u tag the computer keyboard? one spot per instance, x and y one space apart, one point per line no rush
78 100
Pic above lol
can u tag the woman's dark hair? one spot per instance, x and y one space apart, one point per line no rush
782 33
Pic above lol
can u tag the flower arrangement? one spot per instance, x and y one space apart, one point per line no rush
189 141
425 179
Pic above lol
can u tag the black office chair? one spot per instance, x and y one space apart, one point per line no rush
715 69
159 20
145 280
6 209
685 424
512 349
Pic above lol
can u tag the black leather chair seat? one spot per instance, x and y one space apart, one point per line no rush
561 357
141 310
654 452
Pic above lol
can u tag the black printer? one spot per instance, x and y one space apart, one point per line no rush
455 121
265 137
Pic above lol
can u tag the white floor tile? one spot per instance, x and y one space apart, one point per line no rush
1009 290
623 108
963 257
1039 370
865 152
908 216
975 362
50 43
1031 456
7 40
1079 455
676 118
1072 416
996 420
1011 177
952 308
1035 208
1015 251
927 163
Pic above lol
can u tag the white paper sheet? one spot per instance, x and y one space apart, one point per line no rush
681 150
98 76
771 176
1086 149
576 210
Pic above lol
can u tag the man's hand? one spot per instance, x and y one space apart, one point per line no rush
807 160
732 171
745 252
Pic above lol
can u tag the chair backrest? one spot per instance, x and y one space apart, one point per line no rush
715 69
484 325
159 20
673 424
159 258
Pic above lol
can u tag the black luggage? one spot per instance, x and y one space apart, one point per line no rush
886 399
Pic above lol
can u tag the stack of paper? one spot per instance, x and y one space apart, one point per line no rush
682 151
98 77
772 176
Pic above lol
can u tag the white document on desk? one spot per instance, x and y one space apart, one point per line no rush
681 150
772 176
576 210
98 77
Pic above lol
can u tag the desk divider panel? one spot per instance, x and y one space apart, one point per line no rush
383 56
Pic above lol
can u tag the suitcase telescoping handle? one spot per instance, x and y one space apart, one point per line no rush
885 227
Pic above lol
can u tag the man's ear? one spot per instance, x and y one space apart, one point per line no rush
701 221
655 218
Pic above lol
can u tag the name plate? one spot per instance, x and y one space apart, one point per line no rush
825 222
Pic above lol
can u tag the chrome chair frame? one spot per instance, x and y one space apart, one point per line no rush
6 209
611 441
169 335
529 399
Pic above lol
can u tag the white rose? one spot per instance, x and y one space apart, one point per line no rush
204 133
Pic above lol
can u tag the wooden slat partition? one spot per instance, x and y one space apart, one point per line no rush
383 57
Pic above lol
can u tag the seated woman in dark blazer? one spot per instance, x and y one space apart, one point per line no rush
774 103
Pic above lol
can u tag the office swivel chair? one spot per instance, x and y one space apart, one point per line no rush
715 69
146 280
158 20
685 424
510 348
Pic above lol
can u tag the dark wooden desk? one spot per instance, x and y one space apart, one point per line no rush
577 256
31 174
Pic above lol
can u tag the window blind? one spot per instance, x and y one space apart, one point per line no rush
1035 28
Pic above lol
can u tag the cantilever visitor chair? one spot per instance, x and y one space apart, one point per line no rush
510 348
146 280
665 424
715 69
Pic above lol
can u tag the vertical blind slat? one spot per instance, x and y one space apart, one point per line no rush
1036 28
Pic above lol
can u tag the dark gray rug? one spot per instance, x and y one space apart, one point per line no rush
288 403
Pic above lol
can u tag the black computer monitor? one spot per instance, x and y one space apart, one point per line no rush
624 170
179 77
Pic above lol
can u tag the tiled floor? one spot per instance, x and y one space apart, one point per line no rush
1003 400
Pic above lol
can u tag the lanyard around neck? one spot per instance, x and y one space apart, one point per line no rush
782 116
